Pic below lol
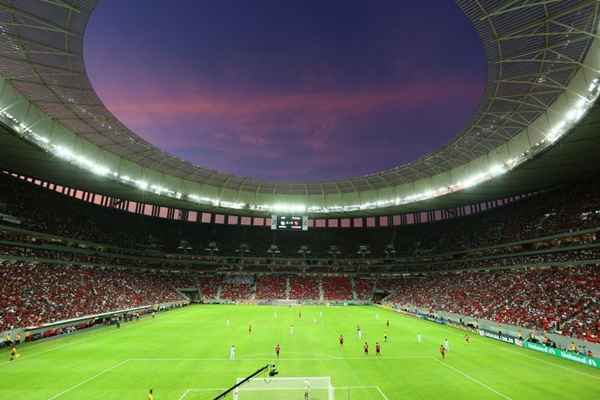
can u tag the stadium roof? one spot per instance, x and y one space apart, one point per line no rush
543 63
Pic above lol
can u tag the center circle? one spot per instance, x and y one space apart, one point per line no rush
288 91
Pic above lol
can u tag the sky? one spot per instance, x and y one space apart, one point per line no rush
292 91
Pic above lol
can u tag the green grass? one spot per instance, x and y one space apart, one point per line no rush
188 349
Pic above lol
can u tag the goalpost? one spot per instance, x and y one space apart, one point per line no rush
282 388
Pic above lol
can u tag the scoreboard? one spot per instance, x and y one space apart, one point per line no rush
289 222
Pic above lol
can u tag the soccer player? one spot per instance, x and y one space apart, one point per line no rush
299 314
388 323
232 352
377 349
419 337
443 351
306 389
366 349
277 350
249 329
150 395
446 345
467 339
342 340
13 354
385 338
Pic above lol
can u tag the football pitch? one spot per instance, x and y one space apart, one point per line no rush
184 355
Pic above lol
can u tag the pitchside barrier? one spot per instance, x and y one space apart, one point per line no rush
38 332
506 338
567 355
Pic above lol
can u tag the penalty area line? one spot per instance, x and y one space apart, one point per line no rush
477 381
91 378
377 388
188 391
184 394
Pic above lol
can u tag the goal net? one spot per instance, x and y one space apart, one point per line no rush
280 388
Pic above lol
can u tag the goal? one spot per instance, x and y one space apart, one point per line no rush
283 388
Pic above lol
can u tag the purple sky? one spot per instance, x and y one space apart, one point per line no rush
288 91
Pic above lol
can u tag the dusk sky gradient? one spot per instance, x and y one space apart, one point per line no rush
288 90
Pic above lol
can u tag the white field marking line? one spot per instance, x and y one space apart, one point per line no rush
283 359
188 391
381 393
376 388
469 377
541 360
91 378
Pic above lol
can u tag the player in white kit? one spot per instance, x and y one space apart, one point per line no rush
232 352
418 337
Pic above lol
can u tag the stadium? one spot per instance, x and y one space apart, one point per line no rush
467 269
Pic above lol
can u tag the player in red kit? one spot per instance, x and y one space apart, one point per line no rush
377 349
443 351
277 350
342 340
366 349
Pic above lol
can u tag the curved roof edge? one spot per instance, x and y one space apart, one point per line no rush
554 86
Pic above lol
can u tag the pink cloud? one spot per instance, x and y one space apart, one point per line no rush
248 124
255 119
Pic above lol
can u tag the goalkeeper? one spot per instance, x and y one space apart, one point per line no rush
306 390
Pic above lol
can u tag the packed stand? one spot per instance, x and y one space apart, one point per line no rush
270 287
304 288
337 288
238 288
363 288
562 300
35 294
